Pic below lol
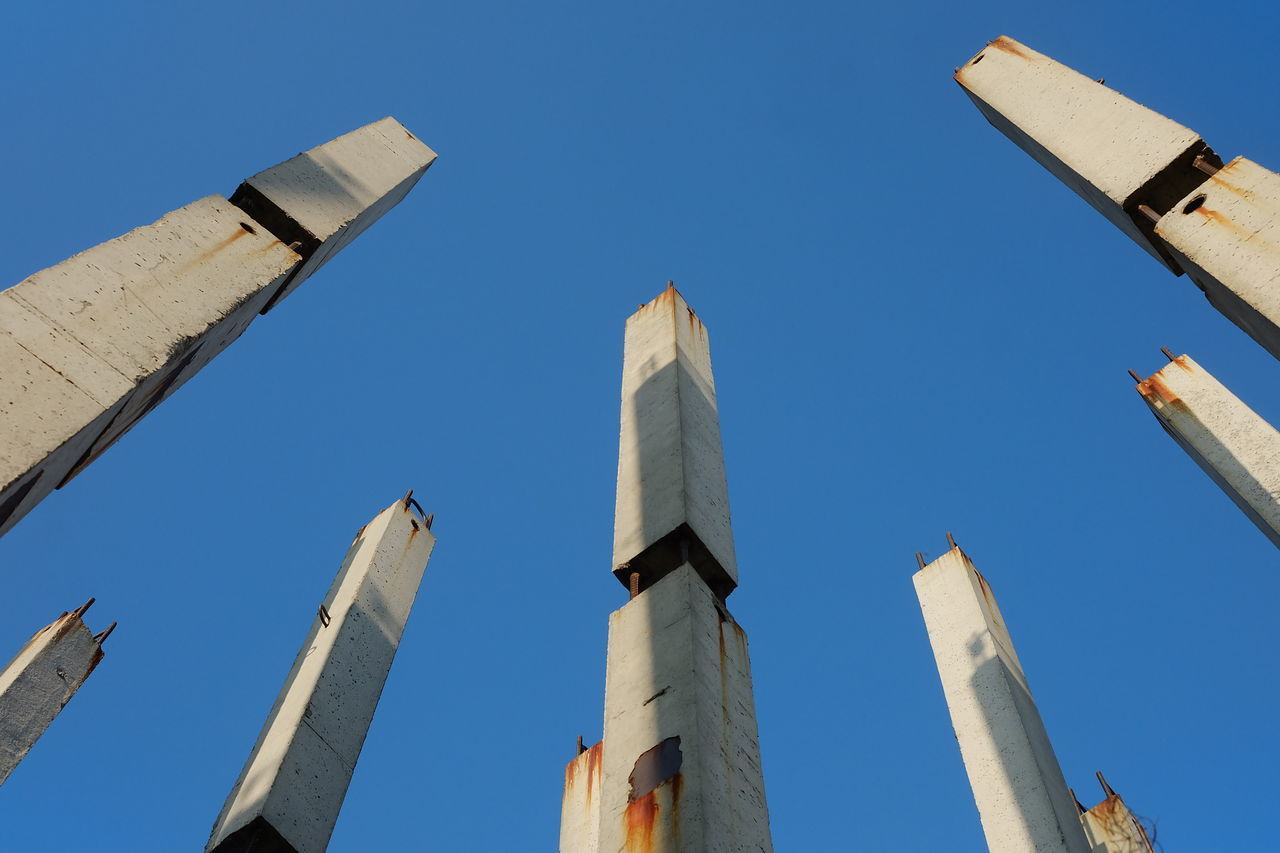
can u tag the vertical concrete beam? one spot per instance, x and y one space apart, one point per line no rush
1022 798
1226 235
290 791
1232 444
1112 828
682 756
580 805
673 498
40 681
1114 153
90 346
324 198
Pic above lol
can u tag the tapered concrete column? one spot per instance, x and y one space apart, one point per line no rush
288 795
1232 444
90 346
1022 798
40 681
580 805
1114 153
1111 828
673 497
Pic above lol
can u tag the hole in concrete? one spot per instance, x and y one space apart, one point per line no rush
246 226
977 59
1194 204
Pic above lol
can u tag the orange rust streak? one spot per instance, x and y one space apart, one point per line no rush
593 767
640 819
1181 361
1008 46
1155 385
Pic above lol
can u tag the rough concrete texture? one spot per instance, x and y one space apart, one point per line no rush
1226 235
580 806
323 198
682 756
90 346
40 680
293 785
1111 828
1022 798
1232 444
1114 153
672 498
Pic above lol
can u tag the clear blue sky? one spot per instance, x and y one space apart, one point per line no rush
915 329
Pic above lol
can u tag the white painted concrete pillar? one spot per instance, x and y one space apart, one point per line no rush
580 805
292 787
1111 827
90 346
40 681
1022 798
1232 444
673 497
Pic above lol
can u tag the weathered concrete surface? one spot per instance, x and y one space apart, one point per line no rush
1232 444
1114 153
1111 828
580 806
40 681
292 787
90 346
1022 798
672 498
1226 235
682 756
324 198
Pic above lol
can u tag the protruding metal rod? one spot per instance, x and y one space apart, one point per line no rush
1136 377
1168 354
1205 166
430 518
1105 787
83 608
581 748
102 637
635 584
920 559
1079 805
951 542
1149 213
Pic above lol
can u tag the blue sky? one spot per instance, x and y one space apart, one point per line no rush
915 329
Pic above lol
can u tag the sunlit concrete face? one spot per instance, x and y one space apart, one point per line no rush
1226 235
40 681
1114 153
580 804
90 346
672 496
1022 797
292 787
1229 441
1111 828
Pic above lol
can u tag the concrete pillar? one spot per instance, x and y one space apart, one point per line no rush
1111 828
1232 444
40 681
90 346
580 805
673 498
1114 153
288 795
680 760
1156 180
1022 798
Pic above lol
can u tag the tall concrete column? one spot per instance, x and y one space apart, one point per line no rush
1154 179
1111 827
288 795
680 761
1022 797
41 679
1232 444
90 346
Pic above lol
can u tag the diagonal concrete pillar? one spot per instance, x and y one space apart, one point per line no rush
1111 827
1022 797
1156 180
288 795
90 346
679 766
1232 444
41 679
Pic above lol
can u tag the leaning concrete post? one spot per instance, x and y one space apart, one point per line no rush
41 680
288 795
1022 798
679 768
1232 444
90 346
1156 180
1111 828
